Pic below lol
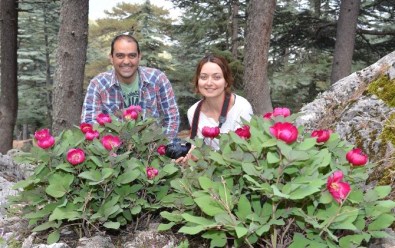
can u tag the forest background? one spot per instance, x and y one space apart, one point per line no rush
282 53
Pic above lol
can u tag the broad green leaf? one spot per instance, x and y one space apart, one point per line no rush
65 167
215 156
243 207
299 241
272 157
165 227
112 225
208 205
175 216
205 183
325 197
250 169
65 213
307 144
350 241
383 221
24 183
170 169
127 177
197 220
277 192
241 231
218 238
303 191
93 175
53 237
192 230
135 210
46 225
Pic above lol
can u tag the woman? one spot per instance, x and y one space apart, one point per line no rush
213 80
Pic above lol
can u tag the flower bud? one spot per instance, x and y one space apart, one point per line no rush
210 132
243 132
322 135
284 131
356 157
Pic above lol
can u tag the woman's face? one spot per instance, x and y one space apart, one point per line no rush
211 81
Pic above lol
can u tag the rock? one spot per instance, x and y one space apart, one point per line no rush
96 241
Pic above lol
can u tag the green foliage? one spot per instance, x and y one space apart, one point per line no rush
264 192
108 190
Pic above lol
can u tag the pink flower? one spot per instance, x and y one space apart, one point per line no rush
161 150
75 156
111 142
268 115
135 108
322 135
91 134
151 172
46 142
85 127
129 114
42 134
210 132
103 119
243 132
338 189
356 157
281 111
284 131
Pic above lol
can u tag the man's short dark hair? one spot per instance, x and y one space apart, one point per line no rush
128 37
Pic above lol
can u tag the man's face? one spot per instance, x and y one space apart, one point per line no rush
125 60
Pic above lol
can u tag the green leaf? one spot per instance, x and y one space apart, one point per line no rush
176 216
46 225
243 207
383 221
241 231
192 230
325 197
299 241
277 192
165 227
59 184
307 144
53 237
127 177
218 238
208 205
205 183
170 169
250 169
93 175
272 157
303 191
350 241
112 225
197 220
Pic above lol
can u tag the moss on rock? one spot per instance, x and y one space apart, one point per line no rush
384 88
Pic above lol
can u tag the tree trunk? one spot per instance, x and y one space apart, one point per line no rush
71 57
48 78
258 31
9 68
345 39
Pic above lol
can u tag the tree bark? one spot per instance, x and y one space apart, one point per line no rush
9 69
258 31
235 28
71 57
345 39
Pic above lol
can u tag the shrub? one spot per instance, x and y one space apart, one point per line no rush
278 187
95 176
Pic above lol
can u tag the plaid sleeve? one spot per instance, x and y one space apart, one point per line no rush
171 115
92 103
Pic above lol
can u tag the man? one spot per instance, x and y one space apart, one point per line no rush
130 84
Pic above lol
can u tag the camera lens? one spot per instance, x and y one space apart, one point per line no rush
176 150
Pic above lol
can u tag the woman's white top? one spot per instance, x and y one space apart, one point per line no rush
241 109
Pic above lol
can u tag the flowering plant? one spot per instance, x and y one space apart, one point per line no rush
96 176
275 185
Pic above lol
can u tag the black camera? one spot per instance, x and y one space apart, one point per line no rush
177 149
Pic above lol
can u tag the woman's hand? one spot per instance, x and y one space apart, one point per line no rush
184 160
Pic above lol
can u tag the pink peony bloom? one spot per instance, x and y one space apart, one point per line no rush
151 172
322 135
281 111
130 114
103 119
111 142
243 132
338 189
75 156
42 134
356 157
268 115
284 131
161 150
135 108
91 135
46 143
210 132
85 127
